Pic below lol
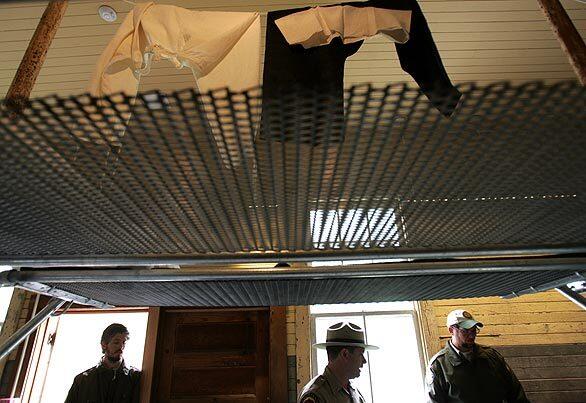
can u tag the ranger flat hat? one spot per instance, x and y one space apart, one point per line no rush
345 334
463 319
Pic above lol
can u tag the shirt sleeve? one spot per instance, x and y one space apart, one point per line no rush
136 387
515 392
72 396
436 391
420 58
310 398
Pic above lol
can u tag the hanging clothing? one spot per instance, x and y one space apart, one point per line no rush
221 48
306 50
319 25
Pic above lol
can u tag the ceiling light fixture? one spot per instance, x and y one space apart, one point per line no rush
107 13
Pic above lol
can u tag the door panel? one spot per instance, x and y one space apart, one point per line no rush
213 337
212 356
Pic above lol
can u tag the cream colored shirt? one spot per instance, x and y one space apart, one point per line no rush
319 25
221 48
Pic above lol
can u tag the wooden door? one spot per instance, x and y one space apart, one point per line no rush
212 356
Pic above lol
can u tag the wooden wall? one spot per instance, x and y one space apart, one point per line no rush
549 373
543 336
19 312
291 354
543 318
479 40
298 350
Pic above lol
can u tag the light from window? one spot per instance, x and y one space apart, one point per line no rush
393 373
369 307
77 348
354 228
5 298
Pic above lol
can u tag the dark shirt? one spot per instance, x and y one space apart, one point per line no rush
480 377
104 385
108 380
320 70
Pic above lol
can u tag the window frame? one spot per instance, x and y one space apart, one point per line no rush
41 351
416 324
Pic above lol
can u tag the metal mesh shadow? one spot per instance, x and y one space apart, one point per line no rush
198 174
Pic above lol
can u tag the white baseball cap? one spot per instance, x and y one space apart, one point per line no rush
463 319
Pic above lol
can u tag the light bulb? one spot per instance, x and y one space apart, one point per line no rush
107 13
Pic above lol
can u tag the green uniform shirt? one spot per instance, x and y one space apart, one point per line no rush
483 377
326 388
102 385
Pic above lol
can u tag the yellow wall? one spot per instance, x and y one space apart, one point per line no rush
290 330
17 315
543 318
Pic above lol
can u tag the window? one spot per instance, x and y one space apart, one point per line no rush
5 297
353 228
69 344
393 373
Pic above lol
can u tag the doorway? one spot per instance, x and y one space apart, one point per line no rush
219 355
68 344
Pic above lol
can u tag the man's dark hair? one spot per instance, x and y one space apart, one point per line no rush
112 330
334 351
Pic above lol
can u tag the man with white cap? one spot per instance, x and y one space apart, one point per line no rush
345 345
470 373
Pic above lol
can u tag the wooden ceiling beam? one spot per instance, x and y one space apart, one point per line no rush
34 57
566 32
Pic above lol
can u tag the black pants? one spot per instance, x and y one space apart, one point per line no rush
290 69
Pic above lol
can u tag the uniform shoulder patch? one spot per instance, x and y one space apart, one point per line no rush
309 398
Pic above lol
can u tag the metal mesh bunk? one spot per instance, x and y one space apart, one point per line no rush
221 175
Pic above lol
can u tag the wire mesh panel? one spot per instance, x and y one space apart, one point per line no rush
193 174
309 291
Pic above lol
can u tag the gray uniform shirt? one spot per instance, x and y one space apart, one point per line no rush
326 388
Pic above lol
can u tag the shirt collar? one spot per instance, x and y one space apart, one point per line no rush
454 347
122 367
457 357
453 354
335 383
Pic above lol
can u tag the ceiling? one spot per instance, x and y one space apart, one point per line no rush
479 40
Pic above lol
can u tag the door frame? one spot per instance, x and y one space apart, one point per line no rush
277 349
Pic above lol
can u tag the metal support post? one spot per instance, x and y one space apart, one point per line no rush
568 35
34 57
30 327
573 296
289 257
218 273
547 286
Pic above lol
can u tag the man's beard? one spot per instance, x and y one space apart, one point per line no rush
114 359
468 346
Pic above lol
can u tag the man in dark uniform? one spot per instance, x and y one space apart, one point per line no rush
111 381
470 373
345 345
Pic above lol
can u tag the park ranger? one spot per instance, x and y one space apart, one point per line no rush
345 345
